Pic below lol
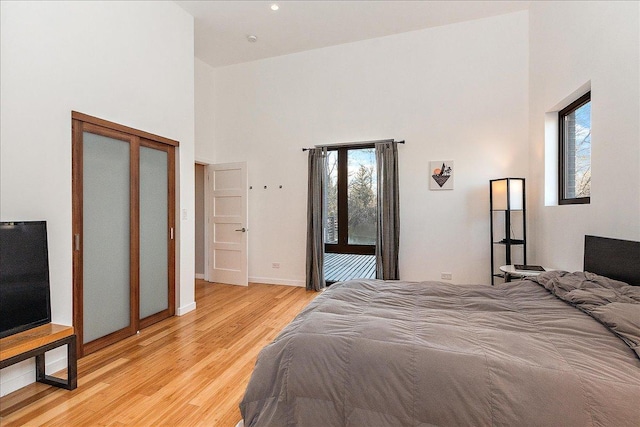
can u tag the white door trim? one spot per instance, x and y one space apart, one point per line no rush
207 229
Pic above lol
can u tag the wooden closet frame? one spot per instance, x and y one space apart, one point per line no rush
136 138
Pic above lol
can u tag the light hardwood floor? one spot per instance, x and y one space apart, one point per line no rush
184 371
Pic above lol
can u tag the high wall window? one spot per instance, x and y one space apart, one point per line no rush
575 152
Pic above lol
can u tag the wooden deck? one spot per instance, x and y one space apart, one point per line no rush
339 267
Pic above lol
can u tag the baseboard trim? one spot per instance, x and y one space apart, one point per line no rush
199 276
272 281
186 309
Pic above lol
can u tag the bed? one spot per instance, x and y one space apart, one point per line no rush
558 349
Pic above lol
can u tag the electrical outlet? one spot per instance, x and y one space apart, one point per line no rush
275 265
446 276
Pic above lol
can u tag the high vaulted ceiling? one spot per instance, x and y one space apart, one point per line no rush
222 27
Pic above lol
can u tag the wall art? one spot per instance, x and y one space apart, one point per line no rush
441 172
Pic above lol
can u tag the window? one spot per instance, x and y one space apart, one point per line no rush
575 152
351 195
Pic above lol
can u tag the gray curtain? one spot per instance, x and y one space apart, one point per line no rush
388 235
315 207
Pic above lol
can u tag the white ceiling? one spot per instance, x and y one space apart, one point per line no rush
222 27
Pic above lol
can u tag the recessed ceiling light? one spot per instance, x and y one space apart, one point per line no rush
275 7
252 38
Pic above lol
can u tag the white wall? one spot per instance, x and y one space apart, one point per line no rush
572 44
456 92
204 119
127 62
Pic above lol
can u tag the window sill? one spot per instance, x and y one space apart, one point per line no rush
577 201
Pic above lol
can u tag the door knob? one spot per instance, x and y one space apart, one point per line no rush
242 229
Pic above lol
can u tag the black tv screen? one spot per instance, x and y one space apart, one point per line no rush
25 300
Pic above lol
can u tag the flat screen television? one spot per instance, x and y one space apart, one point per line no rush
25 298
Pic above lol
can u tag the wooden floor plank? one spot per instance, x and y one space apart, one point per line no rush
184 371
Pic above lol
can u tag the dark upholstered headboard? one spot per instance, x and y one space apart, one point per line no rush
614 258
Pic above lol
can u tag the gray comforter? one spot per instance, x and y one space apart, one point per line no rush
375 353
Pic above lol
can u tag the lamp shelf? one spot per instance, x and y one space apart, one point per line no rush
513 242
507 197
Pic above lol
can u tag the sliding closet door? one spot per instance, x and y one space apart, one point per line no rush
107 231
123 225
156 232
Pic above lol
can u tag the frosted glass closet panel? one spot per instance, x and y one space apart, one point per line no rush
154 232
106 232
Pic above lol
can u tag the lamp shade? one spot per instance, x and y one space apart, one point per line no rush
507 193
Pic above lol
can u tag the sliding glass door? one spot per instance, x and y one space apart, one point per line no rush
350 220
350 213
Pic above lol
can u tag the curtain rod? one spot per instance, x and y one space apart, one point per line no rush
352 144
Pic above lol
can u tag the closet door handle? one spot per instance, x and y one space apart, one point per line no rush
242 229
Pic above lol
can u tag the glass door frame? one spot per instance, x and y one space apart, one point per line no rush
343 246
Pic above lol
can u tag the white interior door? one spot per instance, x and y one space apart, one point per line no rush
228 223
